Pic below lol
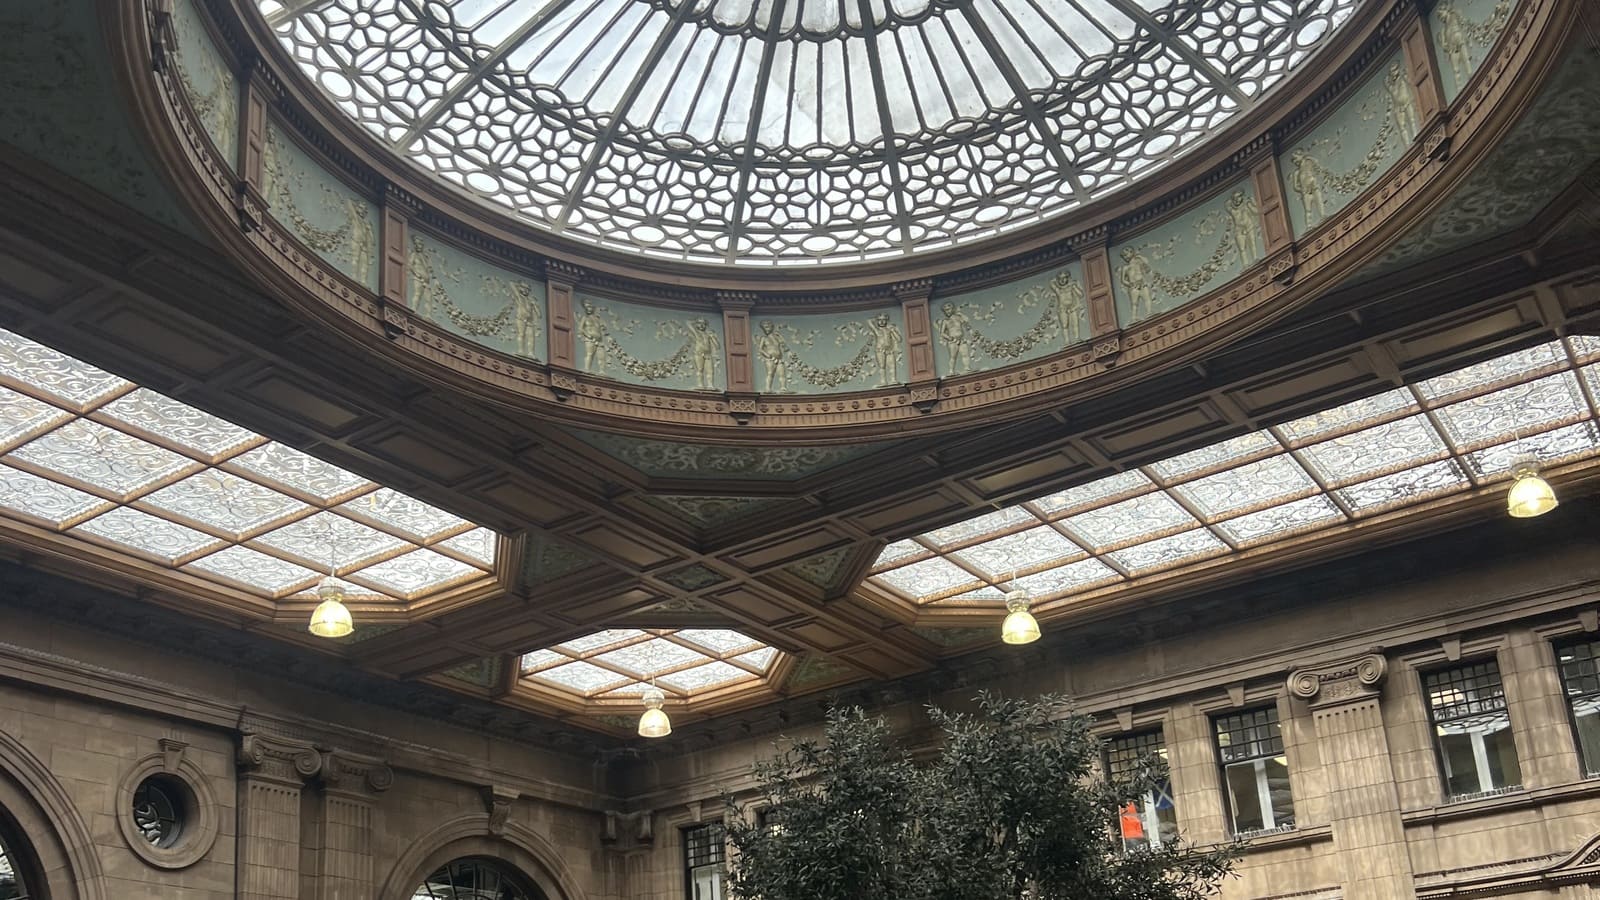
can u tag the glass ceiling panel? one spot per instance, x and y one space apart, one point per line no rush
727 133
125 467
1357 460
619 663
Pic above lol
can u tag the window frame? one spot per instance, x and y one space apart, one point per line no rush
1152 827
1586 768
1432 720
1215 720
720 832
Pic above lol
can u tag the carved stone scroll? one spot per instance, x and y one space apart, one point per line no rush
1340 683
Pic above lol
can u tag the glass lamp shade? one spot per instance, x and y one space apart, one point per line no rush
331 619
654 723
1530 494
1020 627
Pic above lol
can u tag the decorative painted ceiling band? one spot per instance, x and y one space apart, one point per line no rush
1352 177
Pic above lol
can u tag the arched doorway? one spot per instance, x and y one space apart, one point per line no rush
474 878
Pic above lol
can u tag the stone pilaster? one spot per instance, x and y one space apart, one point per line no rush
1196 784
1363 803
344 864
922 375
272 772
1422 72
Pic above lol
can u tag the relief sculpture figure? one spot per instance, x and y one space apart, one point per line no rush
1306 179
1138 278
1453 41
1244 218
886 345
705 349
1402 106
421 280
527 319
592 329
772 350
954 331
1069 307
362 239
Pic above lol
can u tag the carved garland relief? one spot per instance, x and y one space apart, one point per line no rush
829 353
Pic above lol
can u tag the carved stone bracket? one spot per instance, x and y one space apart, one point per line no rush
563 382
1282 267
172 752
1436 141
163 36
924 396
638 825
348 771
1107 349
497 800
742 405
285 759
1342 682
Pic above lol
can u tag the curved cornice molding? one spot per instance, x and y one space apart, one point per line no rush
1289 276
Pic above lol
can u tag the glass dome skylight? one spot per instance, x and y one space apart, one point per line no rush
767 132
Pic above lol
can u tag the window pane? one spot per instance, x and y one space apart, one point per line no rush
1277 775
1588 724
1502 752
1244 797
1476 749
1460 768
1580 677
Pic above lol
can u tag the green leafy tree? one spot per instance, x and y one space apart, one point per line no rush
1009 806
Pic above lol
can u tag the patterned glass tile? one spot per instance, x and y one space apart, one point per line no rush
1559 445
1169 551
1282 520
1512 366
146 534
582 677
931 576
759 659
478 544
983 594
201 433
1348 416
1130 520
289 468
76 384
328 539
1492 418
1023 550
718 641
978 526
90 453
1251 485
406 515
631 690
42 499
699 678
1070 577
540 658
21 415
609 638
224 501
350 588
1095 492
1585 347
254 569
1403 442
1404 487
419 570
648 658
1219 454
897 551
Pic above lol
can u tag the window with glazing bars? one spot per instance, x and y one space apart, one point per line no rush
1151 821
1472 729
1580 678
1255 772
704 849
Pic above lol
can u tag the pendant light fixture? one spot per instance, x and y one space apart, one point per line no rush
1530 494
1020 627
654 723
331 618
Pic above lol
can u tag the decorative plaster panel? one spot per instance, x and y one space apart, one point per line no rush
669 459
1463 31
469 296
649 345
338 224
1010 323
830 352
213 90
1345 153
1184 257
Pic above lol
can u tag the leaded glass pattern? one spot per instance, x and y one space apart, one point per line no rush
617 664
1448 435
474 878
802 132
102 460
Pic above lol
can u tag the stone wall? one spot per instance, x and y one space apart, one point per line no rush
314 795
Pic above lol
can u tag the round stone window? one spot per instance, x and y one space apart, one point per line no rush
162 807
166 810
